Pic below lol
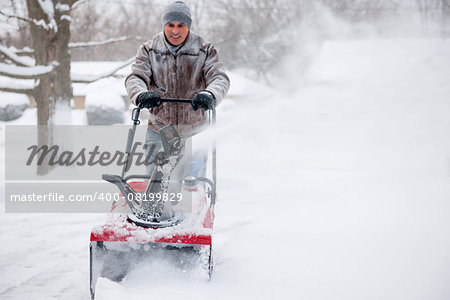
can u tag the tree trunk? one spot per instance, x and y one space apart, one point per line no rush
54 91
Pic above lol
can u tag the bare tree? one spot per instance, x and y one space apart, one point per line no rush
101 20
49 65
44 72
22 38
50 31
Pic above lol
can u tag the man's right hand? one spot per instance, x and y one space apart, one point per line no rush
149 99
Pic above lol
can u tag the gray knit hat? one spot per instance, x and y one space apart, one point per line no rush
177 11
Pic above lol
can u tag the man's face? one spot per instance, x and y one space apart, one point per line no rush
176 32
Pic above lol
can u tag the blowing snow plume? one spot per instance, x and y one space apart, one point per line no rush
310 24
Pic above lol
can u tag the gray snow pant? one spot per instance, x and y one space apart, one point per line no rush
192 164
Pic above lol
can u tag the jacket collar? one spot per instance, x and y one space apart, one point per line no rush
190 46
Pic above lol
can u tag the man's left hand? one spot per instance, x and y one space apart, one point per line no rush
204 100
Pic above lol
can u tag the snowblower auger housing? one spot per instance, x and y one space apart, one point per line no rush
126 238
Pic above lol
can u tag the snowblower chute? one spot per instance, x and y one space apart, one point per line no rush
142 224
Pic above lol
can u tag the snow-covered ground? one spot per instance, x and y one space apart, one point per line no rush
339 190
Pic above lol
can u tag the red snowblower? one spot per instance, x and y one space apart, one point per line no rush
147 218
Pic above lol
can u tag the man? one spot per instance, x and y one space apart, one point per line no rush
176 63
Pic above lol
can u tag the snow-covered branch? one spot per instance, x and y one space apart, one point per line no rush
20 86
77 78
20 18
76 3
23 61
62 7
102 43
47 8
28 51
24 51
34 72
42 23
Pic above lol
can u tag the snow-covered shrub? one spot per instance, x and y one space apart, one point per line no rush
104 108
12 105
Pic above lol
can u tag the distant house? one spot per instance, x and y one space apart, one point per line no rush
89 70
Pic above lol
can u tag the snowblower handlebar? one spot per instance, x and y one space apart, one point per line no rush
170 100
135 113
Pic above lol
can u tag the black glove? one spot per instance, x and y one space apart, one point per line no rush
204 100
149 99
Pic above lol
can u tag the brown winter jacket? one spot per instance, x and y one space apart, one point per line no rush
195 68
